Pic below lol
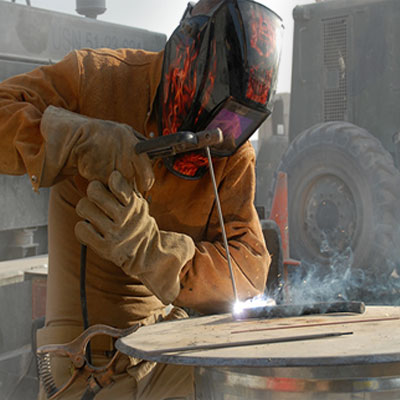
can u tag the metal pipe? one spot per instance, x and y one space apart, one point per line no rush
18 58
294 310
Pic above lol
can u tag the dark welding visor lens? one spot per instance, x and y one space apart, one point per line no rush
237 122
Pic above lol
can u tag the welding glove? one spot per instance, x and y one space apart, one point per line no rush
119 228
91 147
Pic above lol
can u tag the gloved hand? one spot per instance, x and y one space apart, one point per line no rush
91 147
118 228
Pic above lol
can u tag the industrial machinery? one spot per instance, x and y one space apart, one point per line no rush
342 160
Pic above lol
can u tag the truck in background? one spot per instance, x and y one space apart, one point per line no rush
341 148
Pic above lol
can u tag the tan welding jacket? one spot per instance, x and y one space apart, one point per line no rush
121 86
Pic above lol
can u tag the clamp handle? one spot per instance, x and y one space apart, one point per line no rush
76 351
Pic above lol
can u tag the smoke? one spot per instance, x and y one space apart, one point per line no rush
339 281
319 288
313 283
333 287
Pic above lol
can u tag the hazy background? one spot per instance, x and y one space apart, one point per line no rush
164 15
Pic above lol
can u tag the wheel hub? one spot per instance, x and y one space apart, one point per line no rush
329 214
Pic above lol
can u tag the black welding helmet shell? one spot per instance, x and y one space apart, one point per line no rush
220 70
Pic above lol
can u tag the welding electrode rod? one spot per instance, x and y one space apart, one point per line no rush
214 346
221 222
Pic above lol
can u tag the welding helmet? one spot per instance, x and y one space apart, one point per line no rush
220 70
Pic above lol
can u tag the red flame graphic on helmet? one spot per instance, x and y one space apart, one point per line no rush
188 164
210 81
179 92
262 41
180 88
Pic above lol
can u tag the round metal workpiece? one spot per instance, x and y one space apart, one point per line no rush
326 355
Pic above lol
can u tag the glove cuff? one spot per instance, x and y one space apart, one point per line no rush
164 264
59 129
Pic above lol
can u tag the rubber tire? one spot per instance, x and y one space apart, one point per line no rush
330 155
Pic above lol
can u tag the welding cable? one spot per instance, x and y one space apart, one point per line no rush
83 296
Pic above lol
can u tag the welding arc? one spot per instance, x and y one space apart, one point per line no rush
215 346
293 310
221 222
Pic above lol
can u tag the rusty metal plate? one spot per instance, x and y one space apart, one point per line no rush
371 338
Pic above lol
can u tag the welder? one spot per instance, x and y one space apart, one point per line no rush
151 228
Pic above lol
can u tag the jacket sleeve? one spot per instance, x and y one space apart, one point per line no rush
205 281
23 99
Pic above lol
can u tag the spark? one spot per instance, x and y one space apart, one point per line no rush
258 301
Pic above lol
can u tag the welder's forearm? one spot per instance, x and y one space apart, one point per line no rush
21 145
23 99
206 285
